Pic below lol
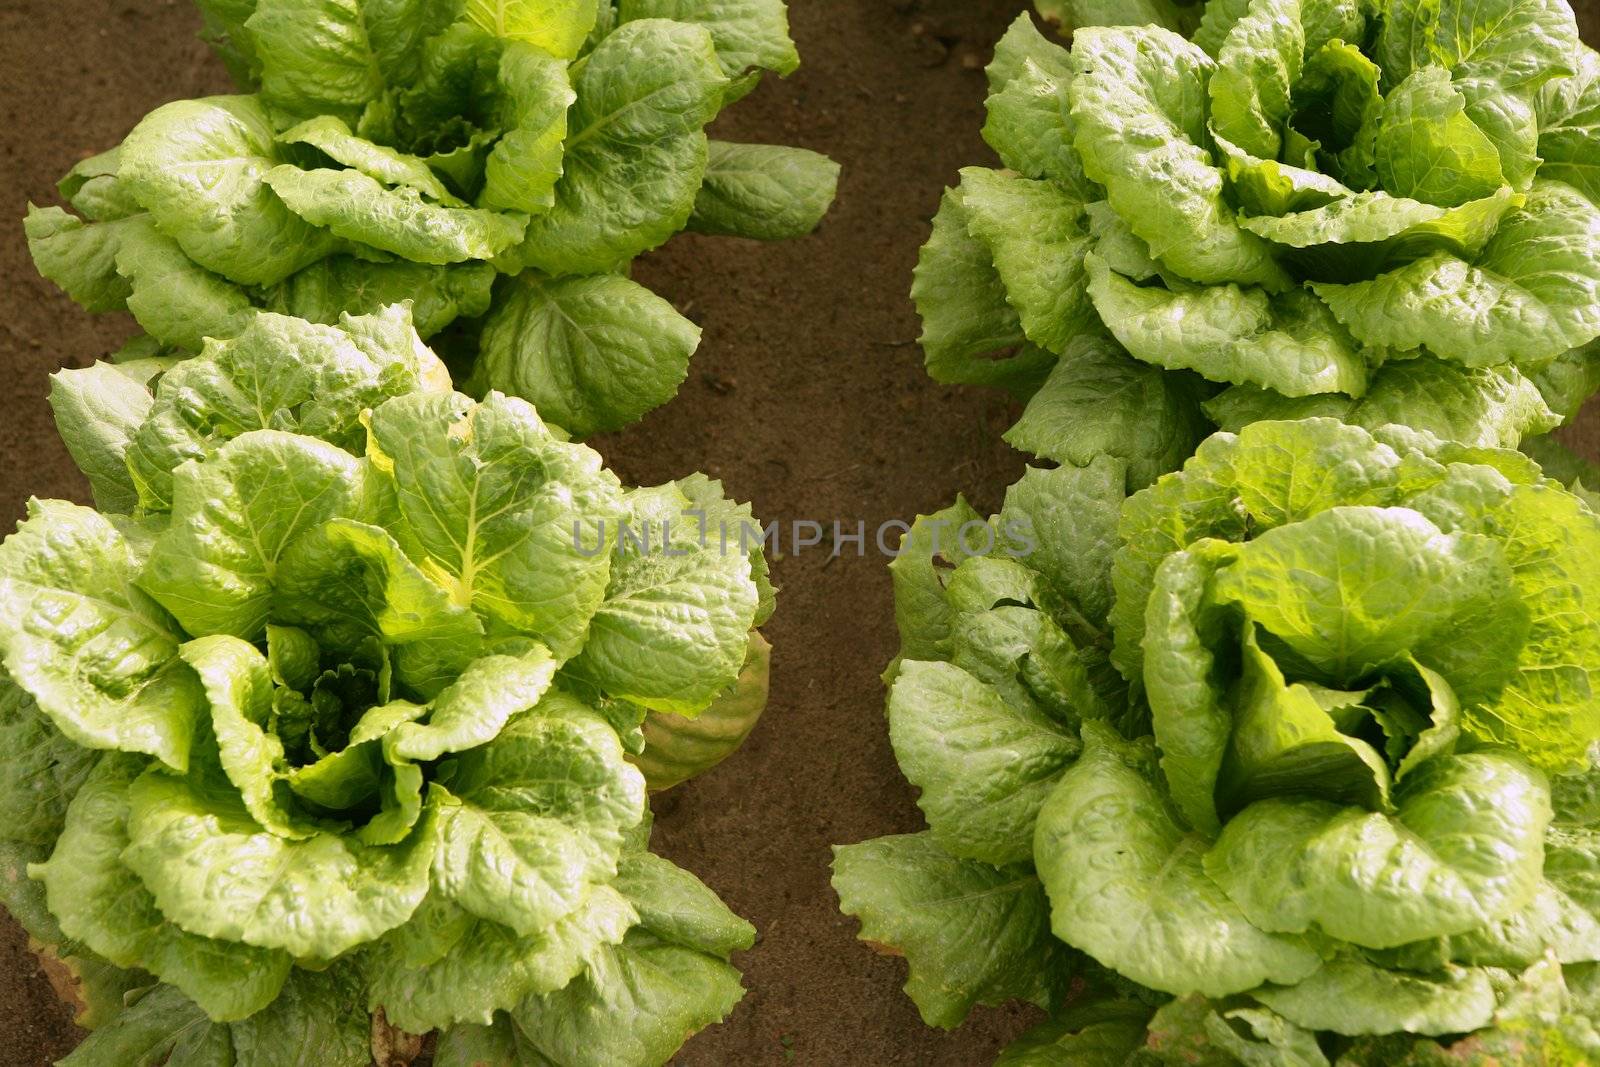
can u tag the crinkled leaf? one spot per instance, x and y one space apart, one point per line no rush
971 933
671 632
80 257
1139 105
488 967
329 135
1099 402
1257 68
233 516
359 208
768 192
199 166
315 55
215 872
493 506
1126 883
340 285
1462 849
101 903
175 300
1349 996
1530 296
278 373
99 655
592 354
559 28
985 766
524 165
1037 238
747 33
967 325
1290 342
97 410
1428 149
644 95
1491 407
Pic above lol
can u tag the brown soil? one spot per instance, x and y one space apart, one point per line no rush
807 395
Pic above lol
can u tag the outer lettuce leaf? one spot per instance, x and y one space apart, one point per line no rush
1351 997
319 1015
1463 849
98 654
48 770
79 257
972 933
229 980
1551 706
965 316
200 166
668 978
984 766
485 967
214 871
1037 238
1531 295
97 411
592 354
1126 883
671 632
1520 44
1099 1031
1028 125
174 300
768 192
1490 407
678 748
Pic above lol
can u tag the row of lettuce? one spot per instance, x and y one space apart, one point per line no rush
334 724
1275 743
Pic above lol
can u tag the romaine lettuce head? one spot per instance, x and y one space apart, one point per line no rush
387 151
337 720
1303 734
1377 212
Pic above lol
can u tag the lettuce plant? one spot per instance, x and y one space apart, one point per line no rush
496 162
1333 804
1381 211
321 728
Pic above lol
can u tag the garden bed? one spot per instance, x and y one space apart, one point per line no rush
807 396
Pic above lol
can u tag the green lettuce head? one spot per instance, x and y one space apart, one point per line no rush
325 725
496 162
1382 212
1336 795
